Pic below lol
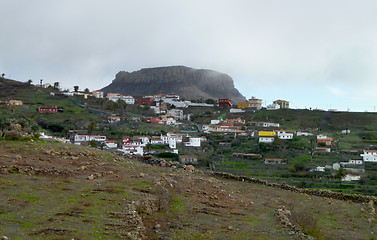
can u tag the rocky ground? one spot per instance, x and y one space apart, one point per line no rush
57 191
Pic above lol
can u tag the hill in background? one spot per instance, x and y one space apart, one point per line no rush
186 82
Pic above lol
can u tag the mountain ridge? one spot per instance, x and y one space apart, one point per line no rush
187 82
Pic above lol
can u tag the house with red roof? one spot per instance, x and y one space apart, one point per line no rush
225 102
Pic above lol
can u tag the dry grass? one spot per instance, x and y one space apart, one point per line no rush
63 203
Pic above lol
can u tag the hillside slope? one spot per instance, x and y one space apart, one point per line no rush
186 82
57 191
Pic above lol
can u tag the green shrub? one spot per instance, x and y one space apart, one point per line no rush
172 156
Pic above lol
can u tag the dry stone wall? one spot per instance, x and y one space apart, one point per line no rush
314 192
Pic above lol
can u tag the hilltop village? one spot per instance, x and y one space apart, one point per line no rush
218 135
110 166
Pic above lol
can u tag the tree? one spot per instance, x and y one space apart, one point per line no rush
122 106
263 146
3 75
148 147
76 88
110 105
102 145
29 82
297 167
91 127
93 143
340 173
86 90
56 85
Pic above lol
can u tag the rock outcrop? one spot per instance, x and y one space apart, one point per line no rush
187 82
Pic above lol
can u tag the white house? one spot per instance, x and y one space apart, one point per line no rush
143 139
205 128
68 94
356 161
87 138
165 139
178 104
321 136
266 139
133 150
176 113
336 166
172 96
264 124
319 169
168 121
42 135
156 140
273 106
369 155
175 135
303 134
351 177
97 94
113 119
111 144
236 110
215 121
171 139
173 143
284 135
186 159
115 97
193 142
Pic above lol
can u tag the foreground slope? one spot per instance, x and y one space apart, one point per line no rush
57 191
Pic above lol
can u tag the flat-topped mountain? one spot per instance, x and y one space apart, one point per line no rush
184 81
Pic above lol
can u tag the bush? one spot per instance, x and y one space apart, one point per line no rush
172 156
297 167
263 146
94 143
13 135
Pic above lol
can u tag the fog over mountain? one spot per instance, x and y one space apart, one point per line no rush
187 82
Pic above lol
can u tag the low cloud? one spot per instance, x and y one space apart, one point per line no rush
277 43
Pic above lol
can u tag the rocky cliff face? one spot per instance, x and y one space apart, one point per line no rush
186 82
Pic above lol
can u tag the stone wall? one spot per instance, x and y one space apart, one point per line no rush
313 192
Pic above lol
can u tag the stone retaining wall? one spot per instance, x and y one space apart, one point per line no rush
314 192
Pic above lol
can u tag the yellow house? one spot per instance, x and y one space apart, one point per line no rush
266 133
243 105
282 103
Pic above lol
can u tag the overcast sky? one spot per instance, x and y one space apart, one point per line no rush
313 53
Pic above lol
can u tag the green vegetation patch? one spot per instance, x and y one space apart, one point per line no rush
178 204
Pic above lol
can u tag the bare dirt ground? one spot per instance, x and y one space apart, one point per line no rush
57 191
